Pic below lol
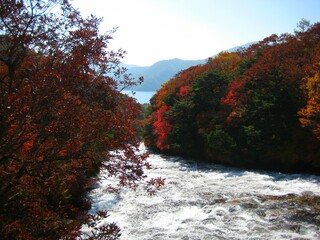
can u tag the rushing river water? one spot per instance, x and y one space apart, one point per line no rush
201 201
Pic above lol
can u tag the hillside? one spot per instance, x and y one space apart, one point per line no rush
254 108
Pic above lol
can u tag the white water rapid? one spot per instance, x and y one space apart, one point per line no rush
203 201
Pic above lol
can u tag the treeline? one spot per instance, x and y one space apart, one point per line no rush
257 107
62 120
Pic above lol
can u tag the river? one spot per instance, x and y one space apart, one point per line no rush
206 201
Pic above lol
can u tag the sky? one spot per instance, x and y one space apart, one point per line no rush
154 30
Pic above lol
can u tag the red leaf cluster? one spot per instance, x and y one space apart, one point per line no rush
162 127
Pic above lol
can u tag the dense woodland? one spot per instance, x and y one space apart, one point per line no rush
257 107
62 120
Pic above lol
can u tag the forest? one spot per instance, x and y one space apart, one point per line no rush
62 121
257 107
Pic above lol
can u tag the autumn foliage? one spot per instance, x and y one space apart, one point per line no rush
162 127
310 114
62 119
257 107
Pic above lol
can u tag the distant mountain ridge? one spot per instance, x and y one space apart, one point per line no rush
162 71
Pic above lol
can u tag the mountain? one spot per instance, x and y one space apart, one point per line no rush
162 71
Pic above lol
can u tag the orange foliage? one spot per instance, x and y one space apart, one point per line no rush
183 91
310 115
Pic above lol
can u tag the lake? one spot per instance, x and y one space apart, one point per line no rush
141 96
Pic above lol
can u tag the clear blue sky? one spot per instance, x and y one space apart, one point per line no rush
153 30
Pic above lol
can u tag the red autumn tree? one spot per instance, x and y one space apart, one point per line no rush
60 116
162 127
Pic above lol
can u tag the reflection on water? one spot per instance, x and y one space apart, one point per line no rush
202 201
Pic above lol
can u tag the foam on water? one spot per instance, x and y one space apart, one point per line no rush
209 202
